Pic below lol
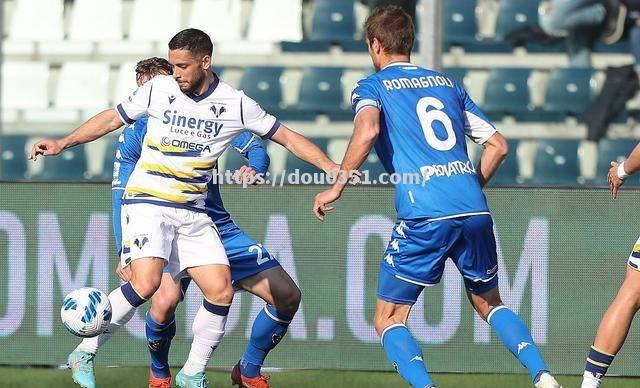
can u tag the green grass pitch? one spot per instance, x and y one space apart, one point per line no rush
137 377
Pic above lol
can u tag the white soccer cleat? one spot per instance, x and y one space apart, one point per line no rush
547 381
590 381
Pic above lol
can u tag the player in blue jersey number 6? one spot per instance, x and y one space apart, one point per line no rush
418 119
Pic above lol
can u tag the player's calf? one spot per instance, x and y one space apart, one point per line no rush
161 329
512 331
401 348
208 325
283 298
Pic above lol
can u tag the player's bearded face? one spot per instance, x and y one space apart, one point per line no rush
189 70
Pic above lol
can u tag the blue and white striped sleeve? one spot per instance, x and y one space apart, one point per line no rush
364 95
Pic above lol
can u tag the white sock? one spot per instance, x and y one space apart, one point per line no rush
208 329
590 381
121 313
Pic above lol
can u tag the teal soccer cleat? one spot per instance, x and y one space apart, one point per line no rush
81 365
196 381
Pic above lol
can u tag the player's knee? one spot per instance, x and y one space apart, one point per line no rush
145 287
382 320
289 300
221 293
163 305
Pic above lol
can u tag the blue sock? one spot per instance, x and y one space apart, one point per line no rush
598 362
159 338
267 331
516 337
405 355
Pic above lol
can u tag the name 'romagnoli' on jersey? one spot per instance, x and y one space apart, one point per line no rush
417 82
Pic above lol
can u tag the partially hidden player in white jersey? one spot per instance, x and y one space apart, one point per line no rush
193 118
616 322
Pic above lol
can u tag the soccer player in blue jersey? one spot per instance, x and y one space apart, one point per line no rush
418 119
252 266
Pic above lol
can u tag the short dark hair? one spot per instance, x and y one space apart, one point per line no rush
393 28
195 41
152 67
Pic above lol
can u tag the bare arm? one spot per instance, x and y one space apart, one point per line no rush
99 125
365 134
495 151
301 147
620 171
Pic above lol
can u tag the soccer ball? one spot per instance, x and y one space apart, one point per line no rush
86 312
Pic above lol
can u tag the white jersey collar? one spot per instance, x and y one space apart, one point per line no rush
398 64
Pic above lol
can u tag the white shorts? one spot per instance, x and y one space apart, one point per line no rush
185 238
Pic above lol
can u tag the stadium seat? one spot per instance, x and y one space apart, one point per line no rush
155 20
321 90
556 163
456 73
24 85
83 85
333 21
221 19
288 13
509 171
507 92
37 20
569 91
70 165
14 157
125 82
263 85
615 150
514 15
96 20
292 162
460 26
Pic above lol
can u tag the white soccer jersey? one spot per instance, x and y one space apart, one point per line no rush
186 134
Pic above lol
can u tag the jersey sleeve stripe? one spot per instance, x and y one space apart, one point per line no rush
363 108
241 113
273 130
123 115
244 148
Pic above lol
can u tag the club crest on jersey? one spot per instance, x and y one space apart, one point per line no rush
172 99
217 111
140 242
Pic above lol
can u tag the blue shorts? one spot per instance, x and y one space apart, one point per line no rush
418 250
246 257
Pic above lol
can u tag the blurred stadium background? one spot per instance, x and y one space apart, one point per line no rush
64 60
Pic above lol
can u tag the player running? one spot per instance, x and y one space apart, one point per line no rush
193 118
616 321
252 267
418 120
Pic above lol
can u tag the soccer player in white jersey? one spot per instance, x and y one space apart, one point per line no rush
616 321
193 118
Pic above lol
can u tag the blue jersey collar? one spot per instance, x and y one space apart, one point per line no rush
207 93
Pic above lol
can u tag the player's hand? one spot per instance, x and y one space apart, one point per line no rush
123 273
614 182
45 147
246 175
322 201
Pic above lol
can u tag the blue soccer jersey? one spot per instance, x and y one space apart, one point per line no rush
424 118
